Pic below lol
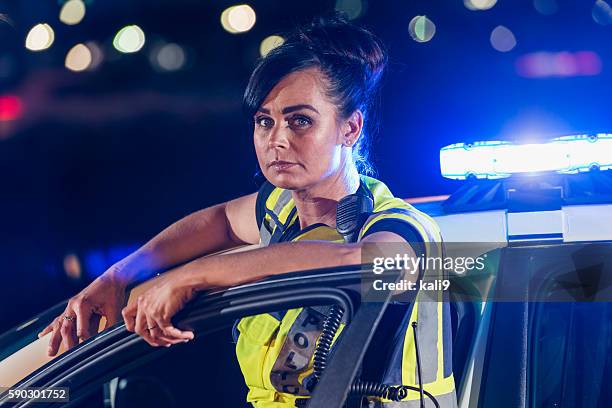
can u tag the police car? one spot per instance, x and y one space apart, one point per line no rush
534 328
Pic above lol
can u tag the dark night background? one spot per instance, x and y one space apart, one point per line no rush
99 161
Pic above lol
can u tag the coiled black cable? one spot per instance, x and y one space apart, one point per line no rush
371 389
331 324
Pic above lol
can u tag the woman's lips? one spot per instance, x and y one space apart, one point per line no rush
281 165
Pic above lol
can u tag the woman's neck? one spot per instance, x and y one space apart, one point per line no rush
318 204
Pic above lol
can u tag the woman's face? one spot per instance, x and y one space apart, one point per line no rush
298 139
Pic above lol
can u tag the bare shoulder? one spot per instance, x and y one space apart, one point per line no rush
241 218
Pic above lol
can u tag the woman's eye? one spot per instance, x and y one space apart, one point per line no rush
299 121
264 121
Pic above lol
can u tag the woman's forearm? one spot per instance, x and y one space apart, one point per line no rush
235 269
201 233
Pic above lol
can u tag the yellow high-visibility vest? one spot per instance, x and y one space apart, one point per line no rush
275 350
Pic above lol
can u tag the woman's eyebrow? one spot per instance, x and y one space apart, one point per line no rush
290 109
294 108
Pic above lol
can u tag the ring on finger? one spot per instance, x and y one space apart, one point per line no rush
69 318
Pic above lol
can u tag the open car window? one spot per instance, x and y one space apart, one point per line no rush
570 346
549 336
117 353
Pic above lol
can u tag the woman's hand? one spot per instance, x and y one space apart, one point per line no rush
80 320
150 316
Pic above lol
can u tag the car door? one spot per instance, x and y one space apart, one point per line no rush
548 331
118 354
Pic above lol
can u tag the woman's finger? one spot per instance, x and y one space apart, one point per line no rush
171 331
141 326
129 317
153 332
47 329
83 313
169 338
68 332
140 322
55 339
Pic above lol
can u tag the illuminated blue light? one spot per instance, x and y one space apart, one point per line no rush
567 154
97 261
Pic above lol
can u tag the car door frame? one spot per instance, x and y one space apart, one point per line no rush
116 351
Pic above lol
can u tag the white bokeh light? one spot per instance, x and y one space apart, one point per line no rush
129 39
502 39
352 8
73 12
269 43
79 58
40 37
169 57
238 19
421 29
479 4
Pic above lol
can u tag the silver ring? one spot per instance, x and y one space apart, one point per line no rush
69 318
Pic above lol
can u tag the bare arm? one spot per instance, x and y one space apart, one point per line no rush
239 268
150 316
201 233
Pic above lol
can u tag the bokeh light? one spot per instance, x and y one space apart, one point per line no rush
97 55
421 29
352 8
72 12
40 37
546 7
238 19
559 64
479 4
72 266
11 108
502 39
168 57
129 39
78 58
269 43
602 13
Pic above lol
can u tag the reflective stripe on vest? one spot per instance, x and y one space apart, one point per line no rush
276 217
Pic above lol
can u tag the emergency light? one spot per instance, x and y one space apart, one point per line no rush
492 160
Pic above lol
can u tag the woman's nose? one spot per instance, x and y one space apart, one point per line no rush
278 138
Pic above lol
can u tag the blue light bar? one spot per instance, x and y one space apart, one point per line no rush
492 160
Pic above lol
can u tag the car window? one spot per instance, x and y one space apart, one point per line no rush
549 337
570 342
571 359
204 371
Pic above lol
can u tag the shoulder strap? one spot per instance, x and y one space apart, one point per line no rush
262 196
271 227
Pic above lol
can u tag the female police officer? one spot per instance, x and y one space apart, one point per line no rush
309 99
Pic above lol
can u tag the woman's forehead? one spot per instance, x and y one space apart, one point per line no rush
304 87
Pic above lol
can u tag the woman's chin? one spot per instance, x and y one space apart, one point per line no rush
285 181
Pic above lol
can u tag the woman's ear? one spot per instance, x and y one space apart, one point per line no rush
352 128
